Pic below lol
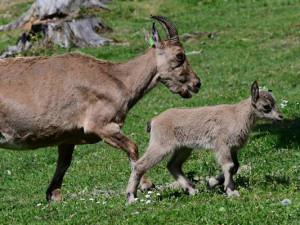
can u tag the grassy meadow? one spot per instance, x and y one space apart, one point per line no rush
255 40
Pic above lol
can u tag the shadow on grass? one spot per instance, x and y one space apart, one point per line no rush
288 132
191 175
176 194
278 179
242 181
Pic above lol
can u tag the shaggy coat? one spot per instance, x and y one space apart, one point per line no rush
223 128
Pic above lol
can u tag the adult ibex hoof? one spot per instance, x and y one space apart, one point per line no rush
55 195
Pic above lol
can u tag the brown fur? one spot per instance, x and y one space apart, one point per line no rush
76 99
223 128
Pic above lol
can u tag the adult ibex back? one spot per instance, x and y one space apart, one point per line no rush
76 99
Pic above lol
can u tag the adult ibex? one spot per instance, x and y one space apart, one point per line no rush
76 99
223 128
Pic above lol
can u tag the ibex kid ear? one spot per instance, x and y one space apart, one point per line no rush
254 92
155 40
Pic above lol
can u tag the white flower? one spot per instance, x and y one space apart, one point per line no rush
283 103
147 196
39 204
149 192
148 201
158 194
91 199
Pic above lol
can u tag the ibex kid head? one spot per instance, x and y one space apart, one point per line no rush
173 67
264 103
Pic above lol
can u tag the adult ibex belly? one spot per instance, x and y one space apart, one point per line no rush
9 141
33 141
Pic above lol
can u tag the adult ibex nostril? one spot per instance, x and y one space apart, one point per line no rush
281 116
198 85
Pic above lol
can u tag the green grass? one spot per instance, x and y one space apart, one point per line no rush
256 40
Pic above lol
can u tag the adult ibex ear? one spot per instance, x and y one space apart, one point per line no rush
154 39
147 37
254 92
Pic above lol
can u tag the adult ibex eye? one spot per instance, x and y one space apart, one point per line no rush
180 57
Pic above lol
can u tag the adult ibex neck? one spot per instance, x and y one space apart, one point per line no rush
138 75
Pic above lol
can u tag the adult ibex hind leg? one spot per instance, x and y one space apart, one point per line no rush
65 153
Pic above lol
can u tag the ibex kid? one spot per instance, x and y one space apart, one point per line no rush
224 128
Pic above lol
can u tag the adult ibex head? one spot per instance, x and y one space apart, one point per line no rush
173 67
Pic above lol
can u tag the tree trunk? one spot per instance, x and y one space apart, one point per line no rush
51 9
54 19
80 33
